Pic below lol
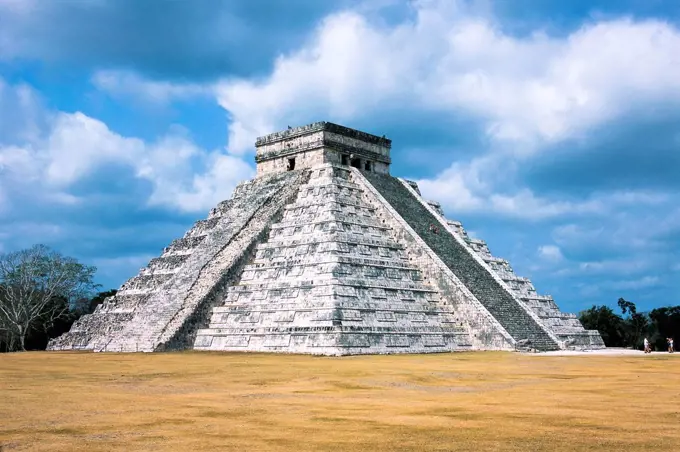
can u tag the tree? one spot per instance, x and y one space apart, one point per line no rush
34 283
627 306
635 325
665 323
607 322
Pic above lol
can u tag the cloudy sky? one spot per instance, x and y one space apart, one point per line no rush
551 129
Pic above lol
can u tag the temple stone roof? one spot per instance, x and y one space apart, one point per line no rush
319 127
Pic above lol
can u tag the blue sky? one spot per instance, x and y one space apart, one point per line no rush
551 129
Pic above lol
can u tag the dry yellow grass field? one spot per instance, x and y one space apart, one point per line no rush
212 401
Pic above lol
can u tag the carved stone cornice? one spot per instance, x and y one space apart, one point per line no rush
324 142
319 127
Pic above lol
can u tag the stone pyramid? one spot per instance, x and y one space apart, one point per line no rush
325 253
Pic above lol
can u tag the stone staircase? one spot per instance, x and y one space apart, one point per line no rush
566 327
332 280
494 297
163 306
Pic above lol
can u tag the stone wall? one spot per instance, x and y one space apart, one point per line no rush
320 143
306 159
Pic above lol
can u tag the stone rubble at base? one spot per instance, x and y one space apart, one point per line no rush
325 253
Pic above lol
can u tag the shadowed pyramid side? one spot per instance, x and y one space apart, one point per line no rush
566 327
522 324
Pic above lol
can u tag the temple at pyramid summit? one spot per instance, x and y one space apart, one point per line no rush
324 252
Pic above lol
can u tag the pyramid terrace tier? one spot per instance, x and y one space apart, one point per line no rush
334 240
270 281
348 209
340 264
335 341
385 252
184 245
341 304
312 314
288 232
391 291
329 220
330 270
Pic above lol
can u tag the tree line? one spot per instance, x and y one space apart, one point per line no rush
630 327
42 293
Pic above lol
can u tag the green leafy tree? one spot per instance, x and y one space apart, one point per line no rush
627 306
34 283
665 323
607 322
636 325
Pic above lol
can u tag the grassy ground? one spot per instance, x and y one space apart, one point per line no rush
466 401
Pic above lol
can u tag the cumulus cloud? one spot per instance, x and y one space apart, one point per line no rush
550 253
72 146
474 187
528 90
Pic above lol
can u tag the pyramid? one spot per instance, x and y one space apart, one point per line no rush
324 252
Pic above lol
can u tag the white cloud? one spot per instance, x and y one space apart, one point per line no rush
182 187
458 188
132 86
641 230
70 146
529 90
77 144
22 115
641 283
550 253
473 187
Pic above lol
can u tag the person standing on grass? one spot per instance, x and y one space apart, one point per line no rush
646 342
